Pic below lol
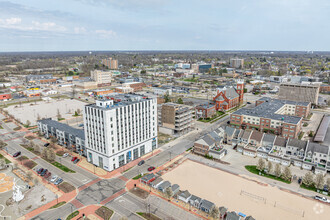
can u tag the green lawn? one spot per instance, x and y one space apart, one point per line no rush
57 205
6 160
72 215
253 169
218 114
301 134
137 177
62 167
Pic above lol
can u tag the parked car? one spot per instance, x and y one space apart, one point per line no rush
325 188
74 158
58 181
322 199
151 168
47 174
43 172
46 145
54 178
299 180
65 155
86 99
248 102
17 154
40 170
141 163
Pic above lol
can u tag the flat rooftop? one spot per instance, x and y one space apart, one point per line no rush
64 127
268 108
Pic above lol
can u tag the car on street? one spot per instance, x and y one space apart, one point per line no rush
43 172
151 168
65 155
74 158
47 174
46 145
17 154
248 102
40 170
58 181
320 198
54 178
141 163
86 99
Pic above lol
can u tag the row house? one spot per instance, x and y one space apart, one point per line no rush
300 153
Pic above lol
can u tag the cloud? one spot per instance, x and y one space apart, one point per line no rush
79 30
106 33
15 23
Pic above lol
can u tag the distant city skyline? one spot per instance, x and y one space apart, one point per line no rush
83 25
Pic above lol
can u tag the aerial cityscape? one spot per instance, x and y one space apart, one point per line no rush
164 110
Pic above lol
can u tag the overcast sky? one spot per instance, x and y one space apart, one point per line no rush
66 25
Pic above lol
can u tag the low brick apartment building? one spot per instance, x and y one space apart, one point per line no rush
205 111
281 117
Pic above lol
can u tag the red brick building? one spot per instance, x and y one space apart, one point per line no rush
205 111
227 98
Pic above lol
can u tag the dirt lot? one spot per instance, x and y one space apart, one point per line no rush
66 187
139 192
244 195
45 109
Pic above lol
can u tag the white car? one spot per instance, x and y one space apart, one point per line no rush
65 155
54 178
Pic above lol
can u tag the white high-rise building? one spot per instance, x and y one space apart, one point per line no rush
120 130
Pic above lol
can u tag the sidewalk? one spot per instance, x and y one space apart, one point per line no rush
103 174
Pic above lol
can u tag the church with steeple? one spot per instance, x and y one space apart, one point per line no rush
229 97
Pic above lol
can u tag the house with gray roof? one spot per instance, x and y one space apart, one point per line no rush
206 206
229 134
266 145
175 188
184 196
232 216
317 154
222 211
156 182
163 186
280 145
296 148
203 145
195 201
64 134
256 138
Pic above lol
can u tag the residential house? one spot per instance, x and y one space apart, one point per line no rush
184 196
175 188
232 216
254 143
163 186
203 145
195 201
206 206
266 145
318 155
278 151
222 212
156 182
217 152
244 139
229 134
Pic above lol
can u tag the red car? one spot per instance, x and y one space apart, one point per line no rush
47 174
74 158
151 168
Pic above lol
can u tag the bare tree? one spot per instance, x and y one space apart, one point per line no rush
29 175
215 212
58 115
308 179
31 144
278 170
28 123
38 117
269 166
328 182
287 174
261 164
51 154
37 148
78 111
319 181
168 193
44 153
2 163
2 144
